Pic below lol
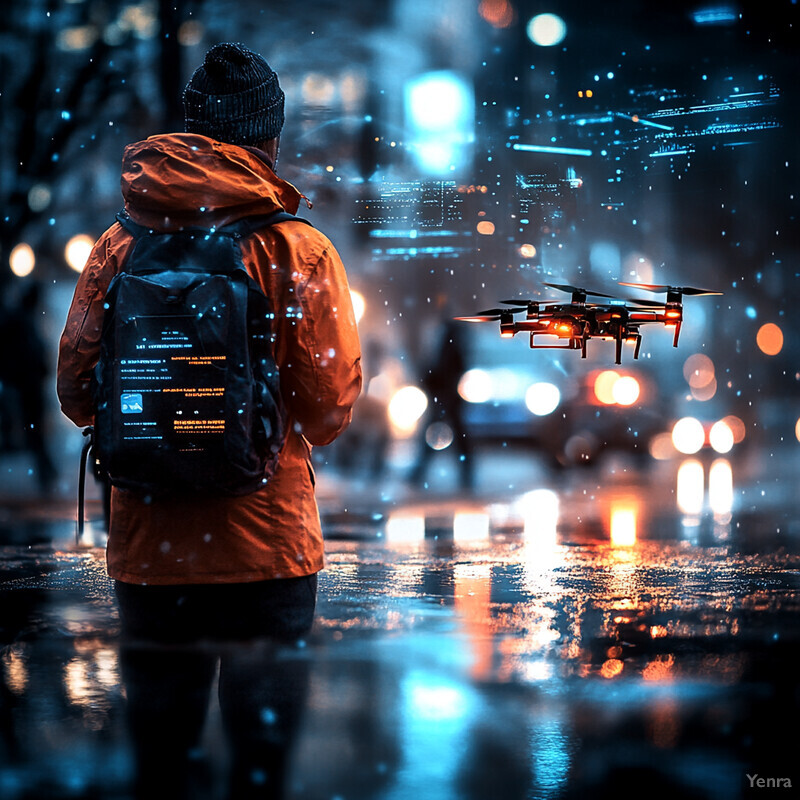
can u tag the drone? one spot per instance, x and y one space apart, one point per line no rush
578 321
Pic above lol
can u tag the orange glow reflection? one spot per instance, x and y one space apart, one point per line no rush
664 726
473 590
623 525
720 487
691 487
611 668
660 669
622 518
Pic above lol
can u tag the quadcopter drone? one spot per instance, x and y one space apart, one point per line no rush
578 321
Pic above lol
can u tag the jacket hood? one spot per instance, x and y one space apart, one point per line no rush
176 180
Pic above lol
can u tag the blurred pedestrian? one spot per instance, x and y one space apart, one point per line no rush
364 449
24 373
446 407
223 568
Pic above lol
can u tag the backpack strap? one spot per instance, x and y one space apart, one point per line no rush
133 228
239 229
248 225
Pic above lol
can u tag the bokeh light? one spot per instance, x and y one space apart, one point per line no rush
720 437
191 33
626 390
604 386
440 114
39 197
661 447
736 426
77 251
542 398
22 260
406 407
770 339
581 448
527 250
688 435
359 304
475 386
698 370
318 90
706 392
438 101
485 228
498 13
546 30
439 436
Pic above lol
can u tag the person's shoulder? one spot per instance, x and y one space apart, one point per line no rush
113 236
302 235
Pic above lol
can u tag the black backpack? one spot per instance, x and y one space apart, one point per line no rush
186 387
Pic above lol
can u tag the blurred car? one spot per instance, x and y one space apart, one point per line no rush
569 421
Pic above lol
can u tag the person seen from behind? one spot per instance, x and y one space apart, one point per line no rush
223 569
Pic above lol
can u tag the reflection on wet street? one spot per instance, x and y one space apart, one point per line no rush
560 641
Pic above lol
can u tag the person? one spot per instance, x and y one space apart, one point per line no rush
446 406
24 372
221 568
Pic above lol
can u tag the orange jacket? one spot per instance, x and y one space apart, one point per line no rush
175 180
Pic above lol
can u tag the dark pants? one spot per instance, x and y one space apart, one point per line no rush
174 639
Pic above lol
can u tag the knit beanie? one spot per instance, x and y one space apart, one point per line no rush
234 97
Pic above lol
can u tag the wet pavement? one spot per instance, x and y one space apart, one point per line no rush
616 632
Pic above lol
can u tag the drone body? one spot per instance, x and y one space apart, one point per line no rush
577 321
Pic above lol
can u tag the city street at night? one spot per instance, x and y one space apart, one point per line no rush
592 634
488 306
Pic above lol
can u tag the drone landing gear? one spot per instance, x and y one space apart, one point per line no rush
572 344
677 334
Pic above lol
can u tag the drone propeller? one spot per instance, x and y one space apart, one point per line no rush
655 287
498 311
489 315
577 290
640 301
